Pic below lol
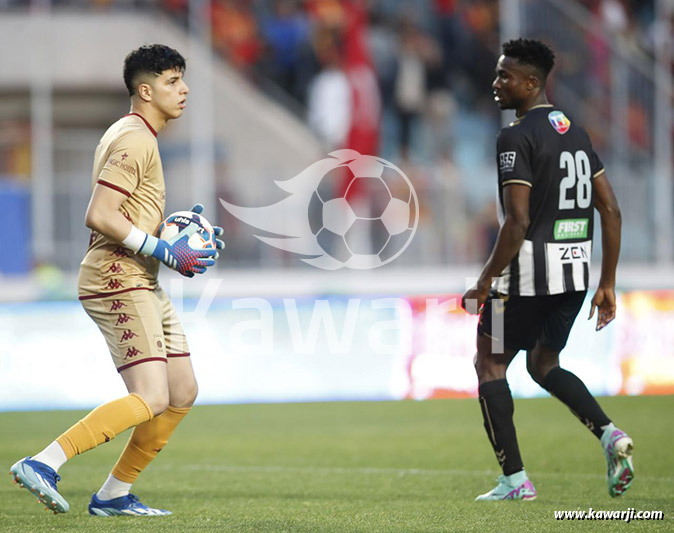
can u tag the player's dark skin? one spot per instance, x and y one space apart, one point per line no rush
521 87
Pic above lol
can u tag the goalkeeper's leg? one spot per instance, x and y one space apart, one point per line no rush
39 473
148 439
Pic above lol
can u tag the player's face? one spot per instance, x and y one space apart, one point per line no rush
169 93
511 85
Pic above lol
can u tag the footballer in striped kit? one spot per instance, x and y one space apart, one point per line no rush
550 181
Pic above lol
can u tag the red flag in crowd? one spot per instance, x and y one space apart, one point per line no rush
366 100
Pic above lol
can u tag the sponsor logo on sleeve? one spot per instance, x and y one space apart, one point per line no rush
507 161
125 167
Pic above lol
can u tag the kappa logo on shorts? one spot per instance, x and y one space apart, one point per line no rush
506 161
132 352
114 284
123 318
120 251
116 305
128 334
115 268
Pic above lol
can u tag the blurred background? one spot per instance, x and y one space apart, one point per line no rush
275 86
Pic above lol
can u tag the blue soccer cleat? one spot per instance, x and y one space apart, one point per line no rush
123 506
41 480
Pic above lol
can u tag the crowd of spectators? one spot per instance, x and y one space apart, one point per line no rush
433 61
425 60
419 50
430 66
427 55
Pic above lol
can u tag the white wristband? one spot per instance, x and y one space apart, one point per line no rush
135 239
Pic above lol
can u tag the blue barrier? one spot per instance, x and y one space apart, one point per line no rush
15 241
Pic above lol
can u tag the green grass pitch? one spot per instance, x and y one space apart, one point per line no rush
391 466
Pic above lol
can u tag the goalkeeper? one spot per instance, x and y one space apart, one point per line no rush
118 289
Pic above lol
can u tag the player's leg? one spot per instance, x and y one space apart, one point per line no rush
543 365
148 439
39 473
496 348
150 380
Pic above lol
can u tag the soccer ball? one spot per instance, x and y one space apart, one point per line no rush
203 238
364 212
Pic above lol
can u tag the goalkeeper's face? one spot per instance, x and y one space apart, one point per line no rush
512 85
169 93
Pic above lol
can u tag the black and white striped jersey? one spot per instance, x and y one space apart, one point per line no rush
554 156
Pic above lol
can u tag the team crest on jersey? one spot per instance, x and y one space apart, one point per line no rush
559 122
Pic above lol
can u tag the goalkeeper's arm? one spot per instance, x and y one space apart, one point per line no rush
104 216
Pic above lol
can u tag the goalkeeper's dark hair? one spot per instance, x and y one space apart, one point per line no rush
150 59
531 52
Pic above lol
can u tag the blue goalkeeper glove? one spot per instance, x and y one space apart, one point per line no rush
175 253
220 245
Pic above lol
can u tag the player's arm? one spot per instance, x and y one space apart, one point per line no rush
611 222
104 215
508 243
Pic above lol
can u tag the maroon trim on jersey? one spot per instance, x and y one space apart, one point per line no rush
115 293
143 119
129 365
114 187
178 354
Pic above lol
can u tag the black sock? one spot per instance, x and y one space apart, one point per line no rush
570 390
497 411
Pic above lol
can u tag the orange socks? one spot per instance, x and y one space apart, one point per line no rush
104 423
146 442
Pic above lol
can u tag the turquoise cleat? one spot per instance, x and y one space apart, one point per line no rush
618 448
123 506
41 480
514 487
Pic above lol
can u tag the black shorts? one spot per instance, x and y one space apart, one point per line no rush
528 320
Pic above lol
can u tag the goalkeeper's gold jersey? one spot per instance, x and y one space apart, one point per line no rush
126 160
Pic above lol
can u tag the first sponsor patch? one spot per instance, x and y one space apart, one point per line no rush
573 228
559 121
506 161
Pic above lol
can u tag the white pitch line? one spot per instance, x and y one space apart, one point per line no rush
338 470
400 472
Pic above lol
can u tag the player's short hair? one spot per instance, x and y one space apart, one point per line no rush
150 59
531 52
